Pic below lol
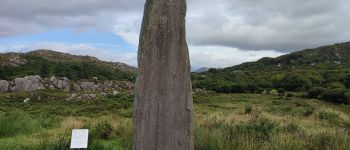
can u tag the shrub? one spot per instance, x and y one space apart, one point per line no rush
316 92
290 95
294 82
346 81
336 85
292 128
308 111
238 88
330 116
104 130
336 96
281 92
248 109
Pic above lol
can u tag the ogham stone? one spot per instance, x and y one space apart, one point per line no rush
163 92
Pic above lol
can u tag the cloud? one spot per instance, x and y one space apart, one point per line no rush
270 24
220 57
215 56
21 17
219 30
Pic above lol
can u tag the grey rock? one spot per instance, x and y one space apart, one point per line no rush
60 83
27 100
163 95
29 83
89 86
103 94
115 93
4 86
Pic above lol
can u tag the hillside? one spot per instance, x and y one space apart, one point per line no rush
327 57
327 67
50 63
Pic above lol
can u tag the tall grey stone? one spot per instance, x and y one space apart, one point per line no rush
163 98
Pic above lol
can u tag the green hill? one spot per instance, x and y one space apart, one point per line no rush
327 57
50 63
326 67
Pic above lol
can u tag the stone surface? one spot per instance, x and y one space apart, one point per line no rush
4 86
60 83
163 95
27 100
32 83
29 83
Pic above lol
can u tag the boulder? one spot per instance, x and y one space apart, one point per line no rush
4 86
90 86
28 83
115 93
60 83
27 100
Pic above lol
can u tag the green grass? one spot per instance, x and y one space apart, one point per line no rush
222 122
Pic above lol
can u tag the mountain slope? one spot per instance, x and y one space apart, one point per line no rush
324 66
326 57
51 63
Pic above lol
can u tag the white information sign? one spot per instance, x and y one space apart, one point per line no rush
79 138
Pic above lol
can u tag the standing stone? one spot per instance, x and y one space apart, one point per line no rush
163 98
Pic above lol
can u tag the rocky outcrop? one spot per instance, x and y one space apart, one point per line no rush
32 83
60 83
13 59
29 83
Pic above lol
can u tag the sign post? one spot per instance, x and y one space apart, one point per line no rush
79 139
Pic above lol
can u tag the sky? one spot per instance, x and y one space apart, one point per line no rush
220 33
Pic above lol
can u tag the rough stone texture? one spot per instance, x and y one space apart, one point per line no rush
28 83
32 83
163 98
60 83
4 86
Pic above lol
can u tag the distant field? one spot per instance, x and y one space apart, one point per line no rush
223 122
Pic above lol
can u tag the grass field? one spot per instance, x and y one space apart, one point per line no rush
223 122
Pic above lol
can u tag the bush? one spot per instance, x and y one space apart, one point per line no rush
281 92
346 81
316 92
330 116
290 95
238 88
337 96
104 130
248 110
295 82
336 85
309 110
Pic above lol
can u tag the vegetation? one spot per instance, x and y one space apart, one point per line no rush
72 70
309 70
222 122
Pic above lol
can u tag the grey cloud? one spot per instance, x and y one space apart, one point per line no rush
281 25
270 24
16 15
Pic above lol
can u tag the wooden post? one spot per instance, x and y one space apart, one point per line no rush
163 94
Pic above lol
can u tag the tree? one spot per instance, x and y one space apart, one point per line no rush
316 92
163 94
337 96
84 70
346 81
59 70
294 82
44 70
